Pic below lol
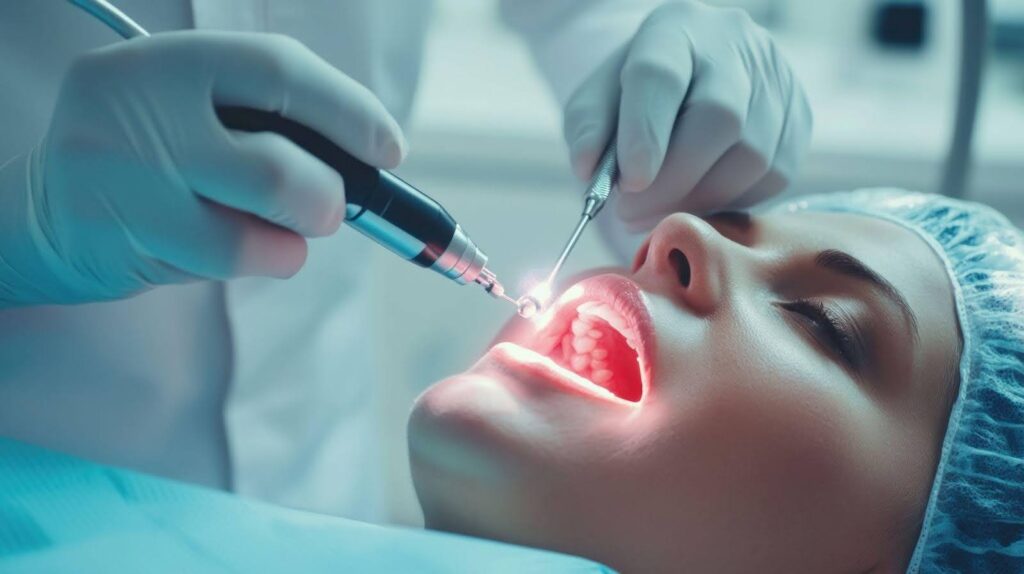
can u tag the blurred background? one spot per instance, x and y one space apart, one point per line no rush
486 141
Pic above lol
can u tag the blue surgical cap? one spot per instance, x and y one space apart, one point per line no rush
974 521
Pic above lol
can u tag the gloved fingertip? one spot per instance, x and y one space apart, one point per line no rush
333 221
271 251
392 146
393 152
402 147
633 184
636 171
290 261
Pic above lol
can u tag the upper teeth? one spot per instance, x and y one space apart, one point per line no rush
584 343
581 346
608 315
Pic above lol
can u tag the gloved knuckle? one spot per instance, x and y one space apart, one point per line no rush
285 44
656 70
140 58
262 178
276 184
81 75
280 55
85 65
737 20
728 118
671 11
88 67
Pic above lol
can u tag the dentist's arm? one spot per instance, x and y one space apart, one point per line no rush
707 112
137 184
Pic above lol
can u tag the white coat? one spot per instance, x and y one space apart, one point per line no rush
261 386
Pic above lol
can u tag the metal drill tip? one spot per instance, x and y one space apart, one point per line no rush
491 285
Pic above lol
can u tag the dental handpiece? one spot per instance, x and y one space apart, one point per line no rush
379 204
382 206
601 183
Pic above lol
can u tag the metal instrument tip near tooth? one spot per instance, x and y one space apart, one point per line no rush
505 297
492 286
601 185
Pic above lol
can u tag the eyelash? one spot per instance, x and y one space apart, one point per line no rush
828 328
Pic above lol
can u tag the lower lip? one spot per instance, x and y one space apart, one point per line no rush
535 366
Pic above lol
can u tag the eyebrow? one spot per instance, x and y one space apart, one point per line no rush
848 265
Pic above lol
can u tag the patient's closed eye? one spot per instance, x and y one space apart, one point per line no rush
828 328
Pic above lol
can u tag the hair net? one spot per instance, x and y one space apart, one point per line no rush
974 521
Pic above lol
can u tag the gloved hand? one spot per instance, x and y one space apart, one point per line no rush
707 112
137 184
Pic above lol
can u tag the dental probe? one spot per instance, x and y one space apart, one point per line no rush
601 183
379 204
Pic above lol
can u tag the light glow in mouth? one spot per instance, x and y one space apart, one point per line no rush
535 360
600 346
543 319
595 341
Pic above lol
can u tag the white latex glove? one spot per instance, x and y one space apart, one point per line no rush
707 113
137 184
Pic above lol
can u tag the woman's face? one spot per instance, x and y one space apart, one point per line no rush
784 380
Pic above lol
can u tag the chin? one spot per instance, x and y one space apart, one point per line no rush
455 422
460 457
497 451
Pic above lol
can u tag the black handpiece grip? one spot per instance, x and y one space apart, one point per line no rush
378 203
361 179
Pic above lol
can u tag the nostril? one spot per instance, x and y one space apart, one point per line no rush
681 265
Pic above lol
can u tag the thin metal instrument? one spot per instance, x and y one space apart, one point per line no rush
115 19
604 179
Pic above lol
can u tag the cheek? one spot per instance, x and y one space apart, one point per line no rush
756 416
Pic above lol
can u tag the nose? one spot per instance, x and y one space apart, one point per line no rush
685 257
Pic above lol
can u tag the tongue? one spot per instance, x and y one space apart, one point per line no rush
600 353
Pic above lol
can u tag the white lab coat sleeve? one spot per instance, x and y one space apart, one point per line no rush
570 38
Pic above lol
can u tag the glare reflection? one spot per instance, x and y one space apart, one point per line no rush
541 320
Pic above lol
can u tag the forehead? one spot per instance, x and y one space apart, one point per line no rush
896 253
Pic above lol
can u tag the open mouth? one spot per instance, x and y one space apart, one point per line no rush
602 335
598 346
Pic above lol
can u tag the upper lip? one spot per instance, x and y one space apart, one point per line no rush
624 297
